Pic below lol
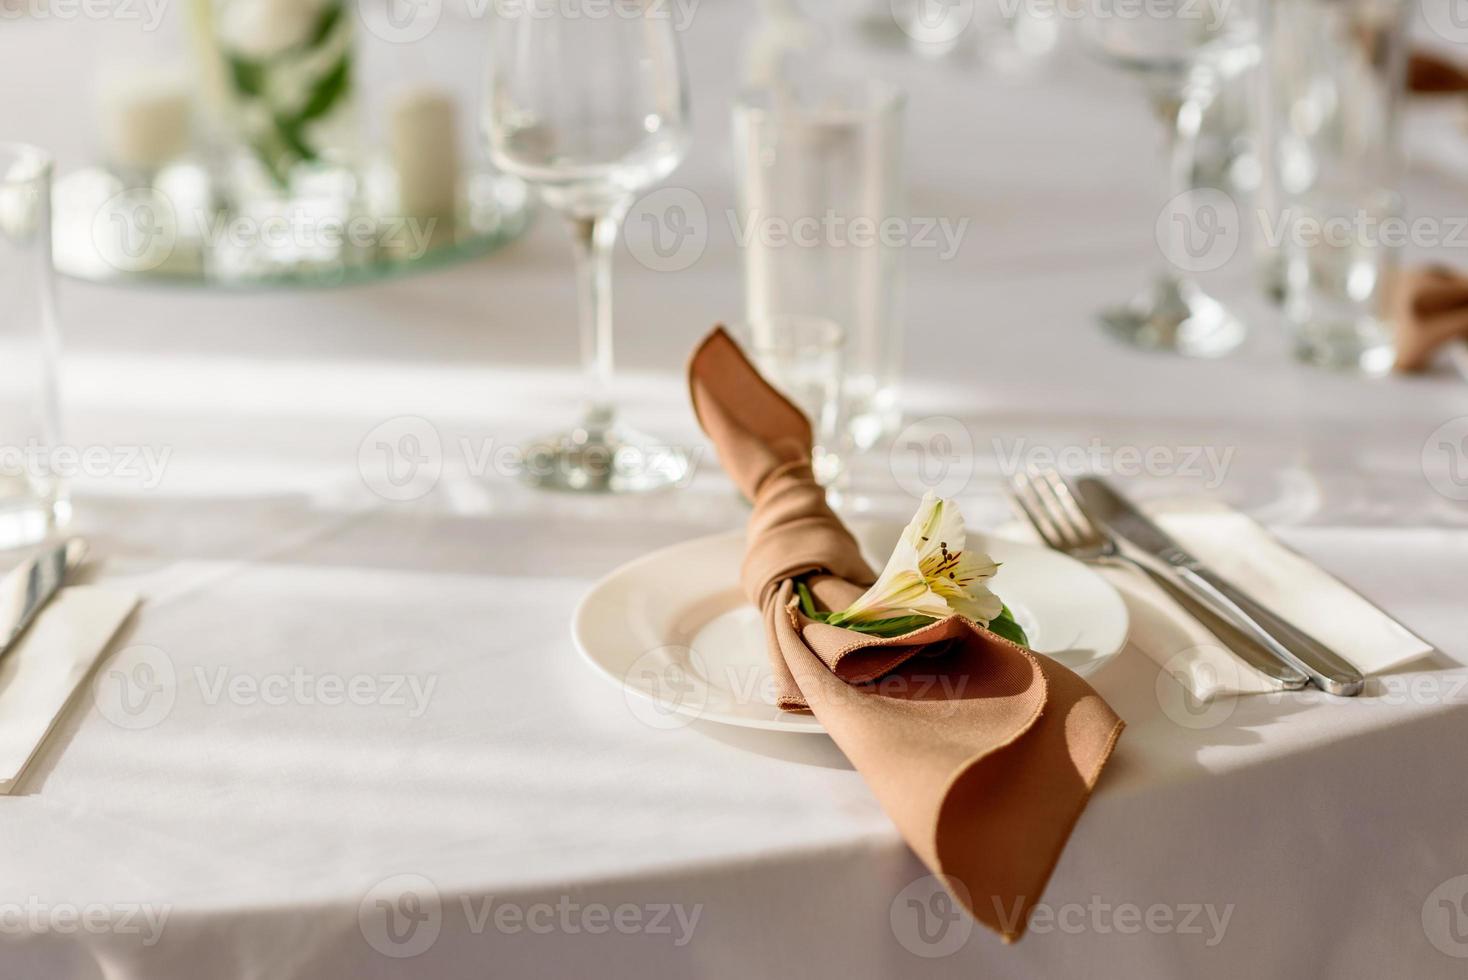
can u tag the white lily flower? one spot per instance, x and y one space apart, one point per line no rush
930 573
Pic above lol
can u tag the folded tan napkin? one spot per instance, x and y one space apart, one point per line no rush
1428 74
982 753
1429 307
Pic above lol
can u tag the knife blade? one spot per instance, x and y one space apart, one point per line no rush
26 590
1326 669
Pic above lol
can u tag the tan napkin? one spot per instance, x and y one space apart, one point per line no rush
982 753
1428 74
1429 307
39 676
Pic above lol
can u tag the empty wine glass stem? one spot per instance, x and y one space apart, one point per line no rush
594 238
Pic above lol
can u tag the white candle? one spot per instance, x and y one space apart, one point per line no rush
144 116
425 151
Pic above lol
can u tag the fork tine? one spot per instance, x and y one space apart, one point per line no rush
1023 493
1044 492
1071 509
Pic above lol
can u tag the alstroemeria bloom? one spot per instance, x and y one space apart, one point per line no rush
931 573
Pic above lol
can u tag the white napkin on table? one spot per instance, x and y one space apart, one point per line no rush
39 676
1292 586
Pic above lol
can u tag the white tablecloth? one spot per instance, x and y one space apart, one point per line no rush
349 689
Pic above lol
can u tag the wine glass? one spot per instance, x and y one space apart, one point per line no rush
1183 52
591 107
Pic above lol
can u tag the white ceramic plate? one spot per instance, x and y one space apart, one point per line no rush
674 632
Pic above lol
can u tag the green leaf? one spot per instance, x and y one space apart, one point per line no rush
247 77
328 91
895 626
329 19
1005 625
808 603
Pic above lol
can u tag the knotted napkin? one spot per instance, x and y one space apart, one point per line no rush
982 753
1429 308
1427 74
1430 305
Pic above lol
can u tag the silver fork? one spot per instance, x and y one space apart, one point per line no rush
1044 499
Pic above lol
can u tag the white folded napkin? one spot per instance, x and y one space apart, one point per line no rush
1249 556
39 676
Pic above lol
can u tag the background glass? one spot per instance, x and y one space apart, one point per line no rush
1182 52
591 109
819 166
805 357
1335 78
32 498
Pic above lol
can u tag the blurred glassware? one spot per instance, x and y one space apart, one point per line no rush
804 357
33 498
820 189
590 110
1182 52
1330 120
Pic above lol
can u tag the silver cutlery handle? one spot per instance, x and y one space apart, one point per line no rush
1315 660
1239 641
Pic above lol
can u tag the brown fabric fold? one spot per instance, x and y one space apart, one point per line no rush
1429 308
1428 74
982 753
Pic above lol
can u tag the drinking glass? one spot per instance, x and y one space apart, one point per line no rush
1336 74
804 357
32 498
591 107
819 165
1182 52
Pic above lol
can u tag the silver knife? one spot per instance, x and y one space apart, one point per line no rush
27 589
1326 669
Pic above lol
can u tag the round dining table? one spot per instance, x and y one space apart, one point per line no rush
363 743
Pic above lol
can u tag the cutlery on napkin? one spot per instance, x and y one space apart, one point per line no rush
984 772
1298 590
49 649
